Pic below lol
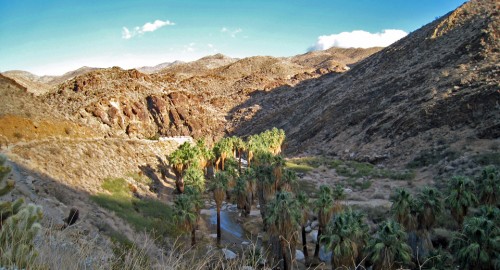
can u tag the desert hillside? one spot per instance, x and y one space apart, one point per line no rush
439 84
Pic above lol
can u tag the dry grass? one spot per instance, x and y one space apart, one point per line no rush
97 159
15 128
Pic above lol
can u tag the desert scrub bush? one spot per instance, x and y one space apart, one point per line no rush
487 159
144 215
355 169
432 156
18 226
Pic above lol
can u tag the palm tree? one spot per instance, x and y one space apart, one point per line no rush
205 155
338 195
324 204
388 249
185 215
223 149
478 245
194 177
461 197
219 186
265 188
303 201
283 219
288 180
346 236
489 186
403 207
182 158
430 207
239 146
278 162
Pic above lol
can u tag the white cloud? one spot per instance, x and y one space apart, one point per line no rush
147 27
231 32
150 27
359 39
126 33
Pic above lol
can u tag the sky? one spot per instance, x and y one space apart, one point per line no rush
51 37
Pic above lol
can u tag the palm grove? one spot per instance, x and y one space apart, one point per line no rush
404 240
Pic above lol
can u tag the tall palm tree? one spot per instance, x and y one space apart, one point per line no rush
239 147
324 205
346 236
205 155
428 207
219 186
388 249
283 220
431 207
303 201
403 207
338 195
253 144
489 186
265 188
222 150
194 177
477 246
461 190
181 159
185 215
288 180
278 162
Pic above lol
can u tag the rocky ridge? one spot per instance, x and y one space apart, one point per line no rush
440 83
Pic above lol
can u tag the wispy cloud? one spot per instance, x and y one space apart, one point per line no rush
359 39
231 32
147 27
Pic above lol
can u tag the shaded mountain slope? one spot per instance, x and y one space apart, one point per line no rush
440 82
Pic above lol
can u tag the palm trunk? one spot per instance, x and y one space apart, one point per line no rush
239 160
286 263
193 236
304 243
179 185
218 226
316 249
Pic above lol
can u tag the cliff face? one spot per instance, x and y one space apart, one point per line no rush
441 82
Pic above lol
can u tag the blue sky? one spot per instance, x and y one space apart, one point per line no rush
52 37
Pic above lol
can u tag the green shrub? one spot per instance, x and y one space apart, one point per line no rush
488 159
433 156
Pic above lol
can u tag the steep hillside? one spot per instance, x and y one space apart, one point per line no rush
186 98
439 84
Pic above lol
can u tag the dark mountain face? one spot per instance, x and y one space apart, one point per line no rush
439 83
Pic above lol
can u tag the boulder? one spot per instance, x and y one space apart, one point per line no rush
308 229
299 255
315 224
228 254
314 235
